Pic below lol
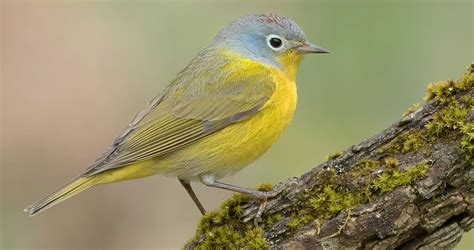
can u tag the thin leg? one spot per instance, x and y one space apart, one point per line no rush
191 193
210 182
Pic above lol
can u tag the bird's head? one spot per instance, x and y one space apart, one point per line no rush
269 39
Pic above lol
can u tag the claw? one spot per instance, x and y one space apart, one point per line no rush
258 217
264 197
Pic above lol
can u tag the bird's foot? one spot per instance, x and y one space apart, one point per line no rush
256 214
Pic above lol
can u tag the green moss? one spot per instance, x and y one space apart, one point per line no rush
254 239
390 180
231 208
391 163
220 237
407 142
467 141
334 155
333 199
467 100
366 165
265 187
449 122
299 221
336 193
451 118
294 223
454 113
331 195
223 229
225 237
443 91
273 219
467 82
412 109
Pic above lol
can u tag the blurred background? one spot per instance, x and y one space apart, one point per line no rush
75 72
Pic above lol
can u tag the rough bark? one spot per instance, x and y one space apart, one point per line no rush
433 209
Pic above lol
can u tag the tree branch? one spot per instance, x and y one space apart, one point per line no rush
410 186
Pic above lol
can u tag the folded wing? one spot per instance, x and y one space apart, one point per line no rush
197 104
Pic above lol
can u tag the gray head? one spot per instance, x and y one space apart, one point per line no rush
268 38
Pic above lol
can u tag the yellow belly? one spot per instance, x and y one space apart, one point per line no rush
234 147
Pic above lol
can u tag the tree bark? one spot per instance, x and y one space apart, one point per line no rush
410 186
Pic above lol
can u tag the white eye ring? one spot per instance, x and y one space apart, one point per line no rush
275 42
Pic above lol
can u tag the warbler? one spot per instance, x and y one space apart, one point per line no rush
222 111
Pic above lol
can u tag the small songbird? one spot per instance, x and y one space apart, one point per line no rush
222 112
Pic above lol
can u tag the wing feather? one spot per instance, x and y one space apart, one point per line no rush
195 105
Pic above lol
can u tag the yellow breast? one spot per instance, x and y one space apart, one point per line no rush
234 147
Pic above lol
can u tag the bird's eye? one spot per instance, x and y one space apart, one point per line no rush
275 42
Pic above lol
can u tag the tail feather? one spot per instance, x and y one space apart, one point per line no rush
74 187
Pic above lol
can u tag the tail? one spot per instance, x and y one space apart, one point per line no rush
74 187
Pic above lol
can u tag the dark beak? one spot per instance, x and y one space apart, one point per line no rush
310 48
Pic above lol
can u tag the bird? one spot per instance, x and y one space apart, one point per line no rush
225 109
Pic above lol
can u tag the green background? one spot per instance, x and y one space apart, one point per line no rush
75 72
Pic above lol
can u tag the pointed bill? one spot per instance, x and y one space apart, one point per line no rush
311 48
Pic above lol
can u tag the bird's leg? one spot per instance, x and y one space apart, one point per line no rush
191 193
209 181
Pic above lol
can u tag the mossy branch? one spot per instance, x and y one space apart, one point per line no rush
410 186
